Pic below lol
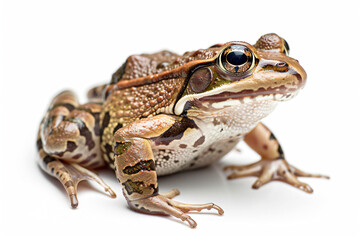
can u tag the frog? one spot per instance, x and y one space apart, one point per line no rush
163 113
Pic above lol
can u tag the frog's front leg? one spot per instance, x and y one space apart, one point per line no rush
135 169
272 165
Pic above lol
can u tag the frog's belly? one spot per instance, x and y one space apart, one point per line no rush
168 161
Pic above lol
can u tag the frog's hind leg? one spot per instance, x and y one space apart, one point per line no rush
68 143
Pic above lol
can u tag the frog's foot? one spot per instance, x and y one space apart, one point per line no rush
164 205
78 174
70 175
269 170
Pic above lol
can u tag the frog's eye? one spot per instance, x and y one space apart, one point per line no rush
286 47
236 59
200 79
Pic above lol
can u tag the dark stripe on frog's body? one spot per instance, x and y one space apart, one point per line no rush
70 107
84 131
145 165
176 131
137 187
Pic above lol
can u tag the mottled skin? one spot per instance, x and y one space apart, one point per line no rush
163 113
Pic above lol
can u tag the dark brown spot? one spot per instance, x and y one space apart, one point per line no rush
265 146
182 146
70 146
69 184
211 150
147 165
84 131
97 124
68 106
200 141
108 151
118 126
137 187
105 122
77 156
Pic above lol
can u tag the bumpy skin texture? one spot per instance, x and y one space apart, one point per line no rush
163 113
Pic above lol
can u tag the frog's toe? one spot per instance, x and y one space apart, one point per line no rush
163 205
70 174
73 200
80 173
270 170
196 207
172 193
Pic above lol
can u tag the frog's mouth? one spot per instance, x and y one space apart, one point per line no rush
227 97
278 94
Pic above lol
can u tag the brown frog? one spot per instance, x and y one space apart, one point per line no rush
163 113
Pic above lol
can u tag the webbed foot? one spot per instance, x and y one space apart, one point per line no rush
270 170
163 204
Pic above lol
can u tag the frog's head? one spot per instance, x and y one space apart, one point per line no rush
242 73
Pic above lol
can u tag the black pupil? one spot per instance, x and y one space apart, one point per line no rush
236 58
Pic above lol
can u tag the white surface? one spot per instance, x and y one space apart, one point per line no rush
48 46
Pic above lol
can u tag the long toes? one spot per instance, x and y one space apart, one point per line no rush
299 173
185 207
291 179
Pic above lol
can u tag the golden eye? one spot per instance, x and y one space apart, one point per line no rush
236 59
200 79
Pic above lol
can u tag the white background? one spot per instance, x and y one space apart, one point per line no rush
47 46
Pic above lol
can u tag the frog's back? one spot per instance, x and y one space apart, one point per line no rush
128 104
